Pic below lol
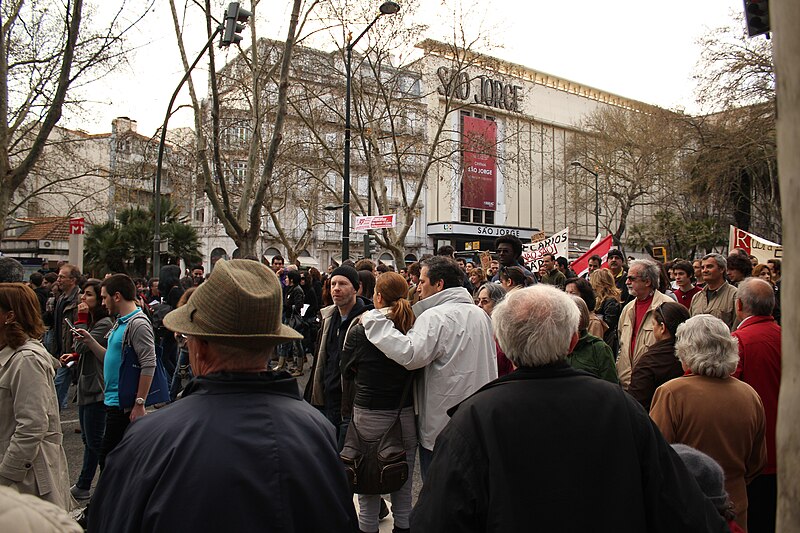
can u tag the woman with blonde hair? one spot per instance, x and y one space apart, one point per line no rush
477 277
607 304
33 459
382 387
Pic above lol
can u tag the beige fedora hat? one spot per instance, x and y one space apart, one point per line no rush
240 299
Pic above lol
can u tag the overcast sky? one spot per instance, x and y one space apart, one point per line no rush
645 50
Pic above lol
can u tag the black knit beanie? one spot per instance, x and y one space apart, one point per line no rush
348 272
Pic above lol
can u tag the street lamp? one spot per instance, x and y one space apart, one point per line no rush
387 8
596 195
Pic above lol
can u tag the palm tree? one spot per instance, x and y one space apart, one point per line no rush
136 231
104 251
183 242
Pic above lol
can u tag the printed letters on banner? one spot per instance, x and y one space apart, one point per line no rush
557 244
763 249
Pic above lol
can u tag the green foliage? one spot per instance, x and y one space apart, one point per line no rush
682 238
104 251
127 245
183 242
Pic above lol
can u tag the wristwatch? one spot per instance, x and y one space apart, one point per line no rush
139 401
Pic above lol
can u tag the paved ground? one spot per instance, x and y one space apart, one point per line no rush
73 446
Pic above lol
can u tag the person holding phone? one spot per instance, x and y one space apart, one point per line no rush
93 318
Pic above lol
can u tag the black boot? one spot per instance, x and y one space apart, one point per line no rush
401 530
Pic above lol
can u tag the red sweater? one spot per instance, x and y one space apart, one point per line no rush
760 367
685 298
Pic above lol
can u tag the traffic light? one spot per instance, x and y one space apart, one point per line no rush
370 245
660 253
756 13
235 19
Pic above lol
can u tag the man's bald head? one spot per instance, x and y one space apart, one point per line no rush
756 298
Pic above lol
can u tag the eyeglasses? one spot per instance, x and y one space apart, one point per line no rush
635 278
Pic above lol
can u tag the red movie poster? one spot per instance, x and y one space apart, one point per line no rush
479 186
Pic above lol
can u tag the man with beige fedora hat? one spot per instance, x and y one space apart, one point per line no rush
240 451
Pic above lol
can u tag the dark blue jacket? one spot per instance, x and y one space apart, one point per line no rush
239 452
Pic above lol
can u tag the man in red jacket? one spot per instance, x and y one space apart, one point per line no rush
760 367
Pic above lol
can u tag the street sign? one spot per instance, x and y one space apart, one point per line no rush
375 222
76 226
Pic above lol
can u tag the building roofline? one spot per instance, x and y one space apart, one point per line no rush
536 77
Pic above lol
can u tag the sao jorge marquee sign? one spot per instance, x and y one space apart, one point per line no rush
483 89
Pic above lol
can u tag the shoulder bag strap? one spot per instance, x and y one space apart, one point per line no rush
406 390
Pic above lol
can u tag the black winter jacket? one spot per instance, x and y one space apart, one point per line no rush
555 449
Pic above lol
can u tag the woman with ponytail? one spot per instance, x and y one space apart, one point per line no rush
380 389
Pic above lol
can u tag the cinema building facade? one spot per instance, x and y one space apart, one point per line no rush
504 166
513 123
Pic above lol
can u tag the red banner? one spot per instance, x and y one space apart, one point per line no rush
479 185
581 265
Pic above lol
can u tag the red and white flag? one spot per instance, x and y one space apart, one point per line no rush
601 248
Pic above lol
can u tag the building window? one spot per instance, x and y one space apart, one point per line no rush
239 172
236 135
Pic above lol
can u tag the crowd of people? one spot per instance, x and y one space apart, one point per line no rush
525 397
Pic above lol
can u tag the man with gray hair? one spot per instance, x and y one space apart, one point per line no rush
554 447
636 321
11 270
760 367
718 296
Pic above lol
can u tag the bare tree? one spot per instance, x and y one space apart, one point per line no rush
735 155
406 129
637 156
240 112
47 49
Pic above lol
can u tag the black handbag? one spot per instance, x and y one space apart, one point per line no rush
377 466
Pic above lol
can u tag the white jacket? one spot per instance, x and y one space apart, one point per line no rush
452 339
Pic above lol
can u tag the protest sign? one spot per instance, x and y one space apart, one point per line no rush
763 249
557 244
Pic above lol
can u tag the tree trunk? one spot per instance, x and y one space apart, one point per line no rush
5 205
785 20
623 223
742 201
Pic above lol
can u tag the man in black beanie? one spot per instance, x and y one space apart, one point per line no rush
324 388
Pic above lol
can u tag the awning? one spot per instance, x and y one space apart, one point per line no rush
308 262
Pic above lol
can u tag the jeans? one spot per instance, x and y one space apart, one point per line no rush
93 424
182 370
169 354
425 458
372 425
63 381
117 421
340 424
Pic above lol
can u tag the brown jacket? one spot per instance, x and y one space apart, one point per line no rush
722 304
644 338
33 459
723 418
